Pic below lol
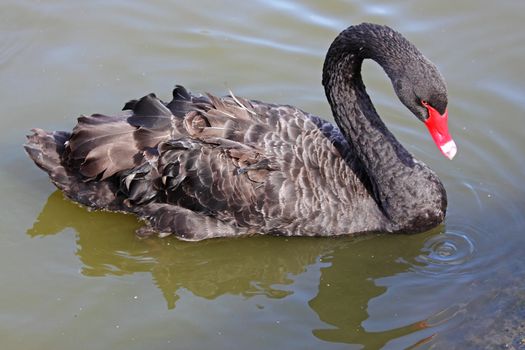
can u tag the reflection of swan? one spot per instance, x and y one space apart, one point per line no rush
242 267
247 267
203 167
348 285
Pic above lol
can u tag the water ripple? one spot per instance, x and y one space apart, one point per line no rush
10 47
450 248
445 251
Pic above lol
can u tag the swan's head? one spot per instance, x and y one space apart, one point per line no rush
423 90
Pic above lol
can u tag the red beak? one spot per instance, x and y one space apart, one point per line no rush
437 124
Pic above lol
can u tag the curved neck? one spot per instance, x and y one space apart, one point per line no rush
390 167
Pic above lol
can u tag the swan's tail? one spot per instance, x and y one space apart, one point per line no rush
46 149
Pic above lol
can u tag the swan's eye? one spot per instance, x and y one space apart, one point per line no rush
424 103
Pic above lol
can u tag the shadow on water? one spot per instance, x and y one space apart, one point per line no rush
265 266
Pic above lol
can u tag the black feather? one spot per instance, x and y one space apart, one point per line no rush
204 166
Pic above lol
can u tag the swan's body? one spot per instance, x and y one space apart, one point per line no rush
201 166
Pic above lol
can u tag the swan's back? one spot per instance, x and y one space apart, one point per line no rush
203 166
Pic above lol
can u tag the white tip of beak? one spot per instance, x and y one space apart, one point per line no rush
449 149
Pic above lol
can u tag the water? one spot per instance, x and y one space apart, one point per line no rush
73 278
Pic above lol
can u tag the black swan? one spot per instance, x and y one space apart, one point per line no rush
202 166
